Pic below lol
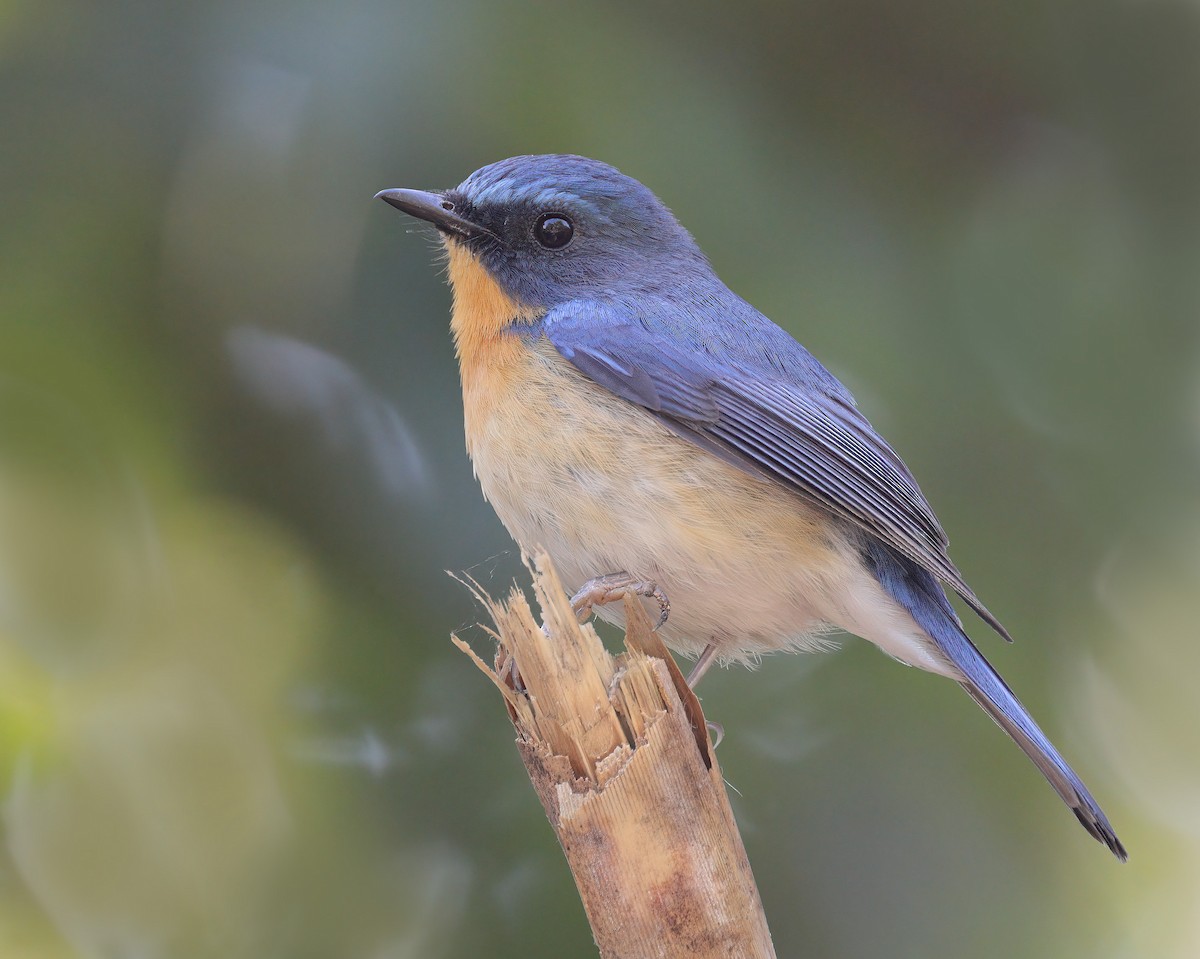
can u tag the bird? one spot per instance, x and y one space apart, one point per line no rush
654 433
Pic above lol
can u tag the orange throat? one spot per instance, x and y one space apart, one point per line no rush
489 354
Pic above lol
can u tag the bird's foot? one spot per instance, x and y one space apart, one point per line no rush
716 731
510 674
607 589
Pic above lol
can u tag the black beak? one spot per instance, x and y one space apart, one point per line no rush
435 209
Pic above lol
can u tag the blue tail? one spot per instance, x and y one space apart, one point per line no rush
918 592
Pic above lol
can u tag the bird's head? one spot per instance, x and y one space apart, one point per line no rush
549 229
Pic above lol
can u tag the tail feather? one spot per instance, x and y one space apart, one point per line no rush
1048 761
920 594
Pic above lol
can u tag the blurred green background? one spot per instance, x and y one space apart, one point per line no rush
232 471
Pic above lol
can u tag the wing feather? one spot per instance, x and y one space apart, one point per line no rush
778 414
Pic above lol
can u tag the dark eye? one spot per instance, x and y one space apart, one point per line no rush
553 231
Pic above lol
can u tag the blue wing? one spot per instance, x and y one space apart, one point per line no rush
742 388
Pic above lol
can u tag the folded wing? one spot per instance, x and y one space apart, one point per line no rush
756 398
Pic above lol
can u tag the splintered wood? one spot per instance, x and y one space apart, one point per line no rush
618 752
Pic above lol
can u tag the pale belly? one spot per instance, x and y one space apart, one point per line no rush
604 487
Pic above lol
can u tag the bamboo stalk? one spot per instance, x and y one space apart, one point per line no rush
619 754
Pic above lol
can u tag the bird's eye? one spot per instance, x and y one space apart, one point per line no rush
553 231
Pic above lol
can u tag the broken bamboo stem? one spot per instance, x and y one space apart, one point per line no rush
619 754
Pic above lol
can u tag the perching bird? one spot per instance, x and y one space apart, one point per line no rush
654 432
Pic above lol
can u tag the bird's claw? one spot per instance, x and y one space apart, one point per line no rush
607 589
510 674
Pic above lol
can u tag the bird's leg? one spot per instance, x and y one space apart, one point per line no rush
716 730
614 586
702 665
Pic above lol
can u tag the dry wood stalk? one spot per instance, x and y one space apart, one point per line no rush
619 754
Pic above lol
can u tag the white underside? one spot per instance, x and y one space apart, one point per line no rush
746 564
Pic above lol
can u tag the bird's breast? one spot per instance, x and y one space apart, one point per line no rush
603 486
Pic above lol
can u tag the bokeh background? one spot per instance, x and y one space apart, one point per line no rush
232 473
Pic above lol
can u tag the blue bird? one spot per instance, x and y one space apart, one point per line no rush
651 430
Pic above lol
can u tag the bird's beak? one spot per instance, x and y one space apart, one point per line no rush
434 208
